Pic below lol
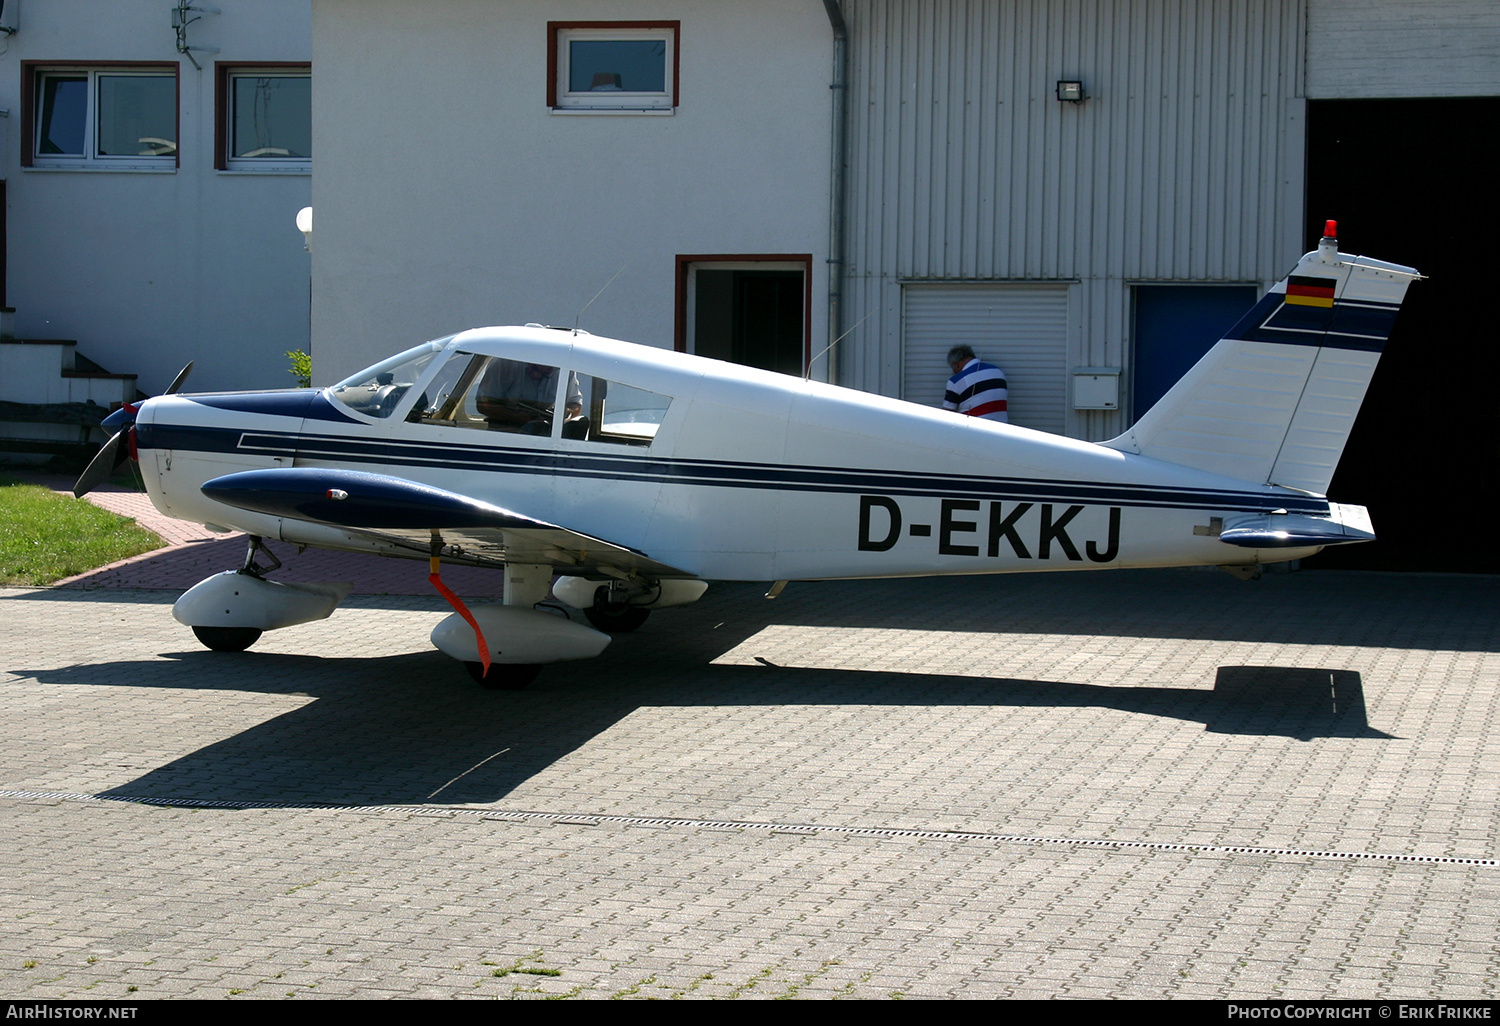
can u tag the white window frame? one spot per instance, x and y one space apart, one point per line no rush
268 164
566 101
91 159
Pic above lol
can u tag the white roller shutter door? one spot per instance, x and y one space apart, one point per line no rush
1022 329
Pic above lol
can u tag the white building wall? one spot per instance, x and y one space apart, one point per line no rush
448 195
1381 49
1184 163
147 270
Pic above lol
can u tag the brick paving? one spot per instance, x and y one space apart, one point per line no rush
1128 784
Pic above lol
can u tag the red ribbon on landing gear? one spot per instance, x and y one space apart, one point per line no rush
462 610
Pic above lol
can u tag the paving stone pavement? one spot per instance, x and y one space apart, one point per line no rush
1130 784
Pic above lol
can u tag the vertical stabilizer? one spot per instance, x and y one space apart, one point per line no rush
1274 400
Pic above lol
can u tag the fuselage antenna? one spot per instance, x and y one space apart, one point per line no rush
590 303
829 346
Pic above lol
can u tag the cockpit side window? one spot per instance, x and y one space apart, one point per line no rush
497 394
442 401
493 393
522 397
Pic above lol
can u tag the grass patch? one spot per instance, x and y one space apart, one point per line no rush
45 536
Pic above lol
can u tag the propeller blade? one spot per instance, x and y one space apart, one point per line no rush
109 456
179 379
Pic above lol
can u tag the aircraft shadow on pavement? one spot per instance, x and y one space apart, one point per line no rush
413 728
409 729
1407 611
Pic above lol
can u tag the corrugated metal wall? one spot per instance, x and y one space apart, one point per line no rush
1184 164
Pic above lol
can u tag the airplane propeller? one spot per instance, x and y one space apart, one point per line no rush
114 452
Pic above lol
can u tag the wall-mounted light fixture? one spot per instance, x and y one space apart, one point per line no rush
304 225
1070 91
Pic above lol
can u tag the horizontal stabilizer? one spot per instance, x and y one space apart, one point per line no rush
1274 400
1294 531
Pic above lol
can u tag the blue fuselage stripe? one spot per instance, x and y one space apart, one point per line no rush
707 473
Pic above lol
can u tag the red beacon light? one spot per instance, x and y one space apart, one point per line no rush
1328 245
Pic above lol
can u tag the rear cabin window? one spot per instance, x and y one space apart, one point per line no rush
623 414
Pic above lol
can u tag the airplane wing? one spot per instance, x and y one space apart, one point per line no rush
407 514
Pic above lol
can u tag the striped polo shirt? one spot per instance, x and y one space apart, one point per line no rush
979 390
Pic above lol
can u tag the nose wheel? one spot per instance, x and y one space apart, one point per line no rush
237 639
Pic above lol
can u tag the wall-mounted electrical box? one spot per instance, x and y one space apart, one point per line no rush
1096 388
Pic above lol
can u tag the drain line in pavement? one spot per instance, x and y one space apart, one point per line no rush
799 829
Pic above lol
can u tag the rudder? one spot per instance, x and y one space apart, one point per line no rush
1274 400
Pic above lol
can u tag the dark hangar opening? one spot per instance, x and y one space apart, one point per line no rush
1406 180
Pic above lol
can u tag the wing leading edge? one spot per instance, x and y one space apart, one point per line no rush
407 514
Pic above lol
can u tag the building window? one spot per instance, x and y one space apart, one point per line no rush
264 117
612 66
752 309
110 117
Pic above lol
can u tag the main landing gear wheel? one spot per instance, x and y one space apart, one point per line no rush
616 617
504 676
227 639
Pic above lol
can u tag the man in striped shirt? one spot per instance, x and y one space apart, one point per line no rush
976 389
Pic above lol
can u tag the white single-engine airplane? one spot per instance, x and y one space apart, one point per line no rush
665 471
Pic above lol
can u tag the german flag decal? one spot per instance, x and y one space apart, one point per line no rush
1304 290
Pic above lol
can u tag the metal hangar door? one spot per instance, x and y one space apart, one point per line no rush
1022 329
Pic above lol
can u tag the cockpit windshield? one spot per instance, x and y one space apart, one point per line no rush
377 391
